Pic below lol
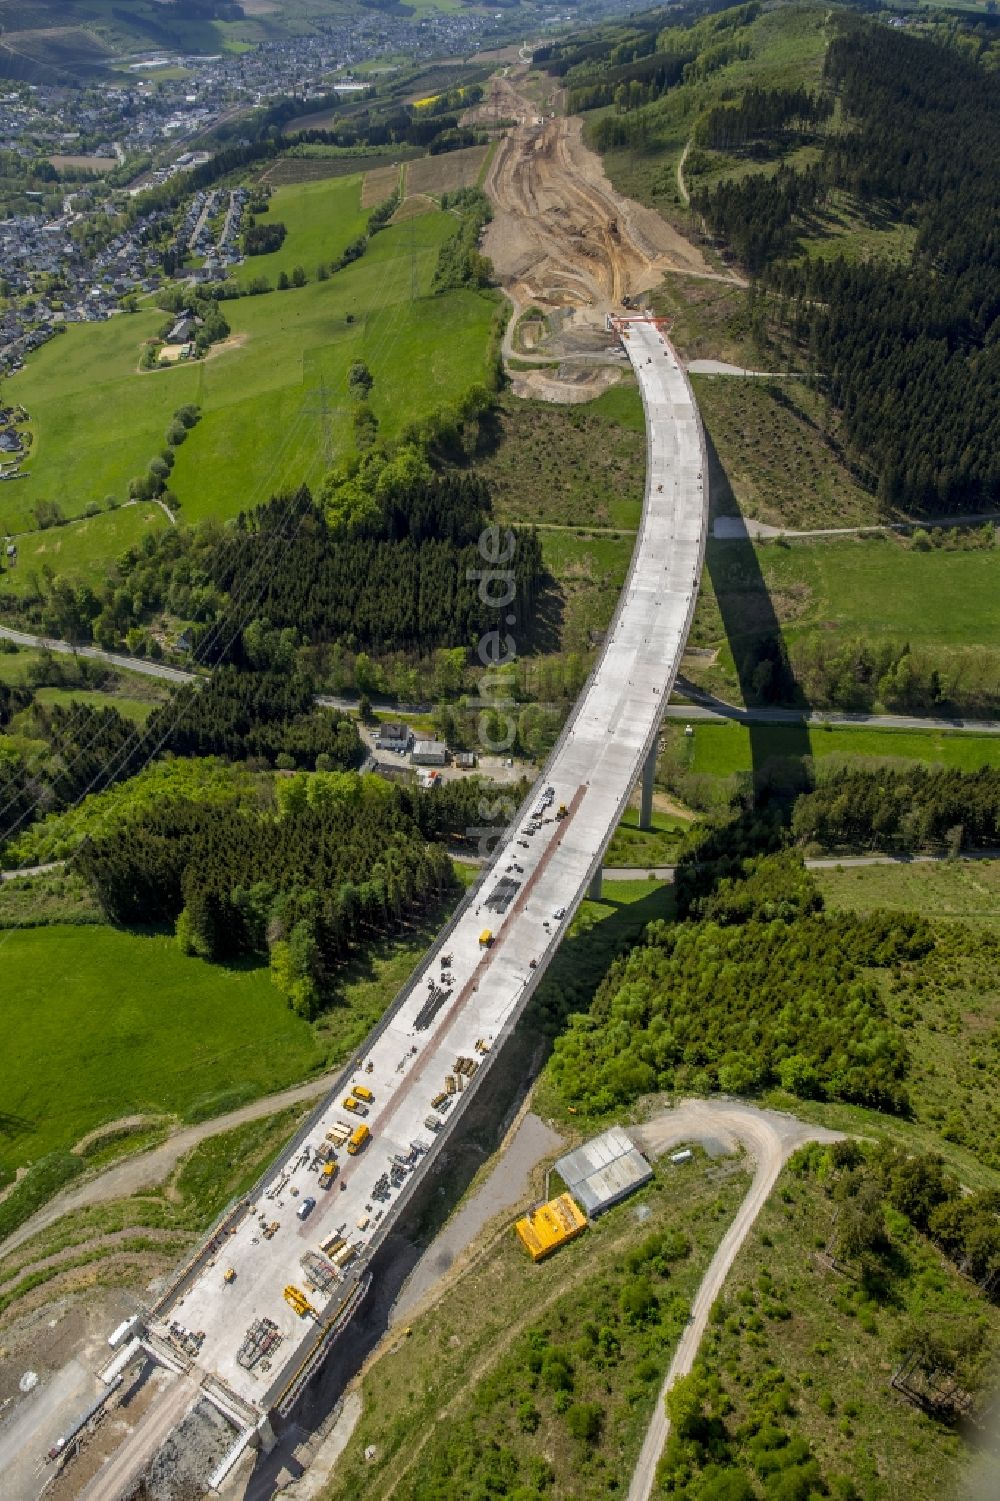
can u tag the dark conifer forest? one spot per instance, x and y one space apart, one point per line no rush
910 352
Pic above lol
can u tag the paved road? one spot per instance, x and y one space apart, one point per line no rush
719 367
707 707
114 659
770 1138
821 862
24 871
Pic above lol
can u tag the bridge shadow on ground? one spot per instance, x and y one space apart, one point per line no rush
780 756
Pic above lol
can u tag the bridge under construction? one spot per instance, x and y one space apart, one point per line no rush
251 1317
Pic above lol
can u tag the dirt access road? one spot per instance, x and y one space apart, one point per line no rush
563 240
771 1139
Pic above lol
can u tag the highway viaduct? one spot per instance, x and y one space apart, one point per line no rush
224 1325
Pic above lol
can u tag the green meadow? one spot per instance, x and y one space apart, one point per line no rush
321 219
80 549
274 398
724 750
100 1024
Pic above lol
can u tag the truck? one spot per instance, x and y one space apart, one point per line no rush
486 939
358 1140
355 1106
328 1174
296 1298
362 1092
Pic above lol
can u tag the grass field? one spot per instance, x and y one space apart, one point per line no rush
777 456
882 585
136 709
590 569
705 770
964 889
943 603
100 1024
721 750
81 549
644 848
321 219
98 422
446 172
581 466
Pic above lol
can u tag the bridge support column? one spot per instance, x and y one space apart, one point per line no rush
648 777
266 1439
595 888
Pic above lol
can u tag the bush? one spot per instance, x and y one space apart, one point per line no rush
584 1421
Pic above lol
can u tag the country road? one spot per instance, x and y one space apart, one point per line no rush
770 1138
95 653
739 528
706 706
681 184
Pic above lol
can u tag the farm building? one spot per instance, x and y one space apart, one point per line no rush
550 1226
604 1170
429 753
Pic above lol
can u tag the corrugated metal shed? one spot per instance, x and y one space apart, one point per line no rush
604 1170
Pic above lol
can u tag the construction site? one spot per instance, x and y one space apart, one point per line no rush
229 1347
220 1361
567 248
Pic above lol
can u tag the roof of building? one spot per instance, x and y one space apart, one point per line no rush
604 1170
550 1225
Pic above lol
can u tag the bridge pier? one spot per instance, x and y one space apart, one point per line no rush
596 884
648 778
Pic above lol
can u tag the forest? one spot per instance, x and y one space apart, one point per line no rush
898 811
388 560
909 352
339 865
267 718
757 988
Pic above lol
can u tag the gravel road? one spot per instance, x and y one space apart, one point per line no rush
147 1169
770 1138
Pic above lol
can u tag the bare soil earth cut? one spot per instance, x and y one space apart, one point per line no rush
564 241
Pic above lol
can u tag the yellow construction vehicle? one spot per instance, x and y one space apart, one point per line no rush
296 1298
355 1106
229 1275
328 1174
562 810
485 939
362 1092
358 1140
